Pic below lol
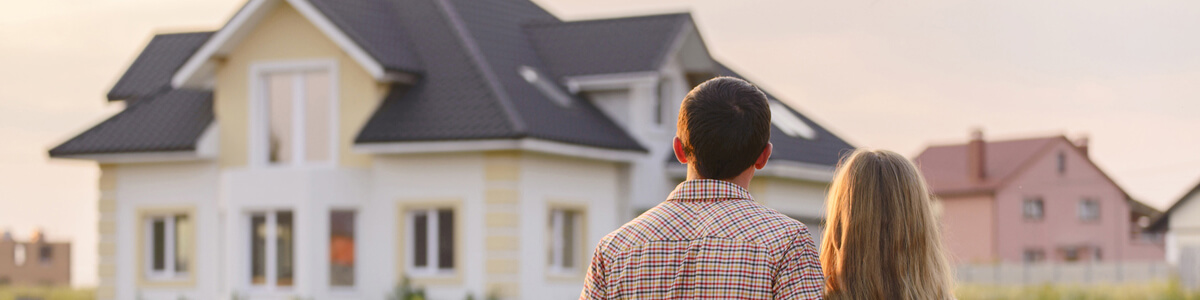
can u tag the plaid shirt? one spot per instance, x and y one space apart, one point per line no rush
709 240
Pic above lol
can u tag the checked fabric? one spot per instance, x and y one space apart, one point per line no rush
709 240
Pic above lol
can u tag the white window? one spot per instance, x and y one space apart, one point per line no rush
341 248
566 234
18 254
789 123
296 114
1089 210
431 241
1033 208
168 246
272 249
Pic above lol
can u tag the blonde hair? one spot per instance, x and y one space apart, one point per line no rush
882 239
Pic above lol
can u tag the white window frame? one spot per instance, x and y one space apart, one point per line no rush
1081 208
168 273
260 114
431 255
1025 209
271 250
558 245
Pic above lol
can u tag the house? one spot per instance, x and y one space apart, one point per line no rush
1181 223
329 149
1034 200
34 262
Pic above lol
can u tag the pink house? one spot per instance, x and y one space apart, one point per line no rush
1034 200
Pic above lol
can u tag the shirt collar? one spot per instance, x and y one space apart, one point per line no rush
708 189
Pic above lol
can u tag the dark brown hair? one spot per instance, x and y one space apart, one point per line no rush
724 124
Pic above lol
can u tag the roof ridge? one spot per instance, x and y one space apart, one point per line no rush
607 19
477 57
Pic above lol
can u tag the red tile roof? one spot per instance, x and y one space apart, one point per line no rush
945 167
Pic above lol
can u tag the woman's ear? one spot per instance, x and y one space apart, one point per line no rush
762 157
679 155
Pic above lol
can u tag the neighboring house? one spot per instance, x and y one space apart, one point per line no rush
1034 200
1181 223
327 149
35 262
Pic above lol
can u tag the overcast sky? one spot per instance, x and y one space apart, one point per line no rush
881 73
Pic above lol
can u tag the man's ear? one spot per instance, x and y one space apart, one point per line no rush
679 155
762 157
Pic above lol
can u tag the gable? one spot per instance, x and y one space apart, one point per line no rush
285 36
1043 167
1187 214
199 67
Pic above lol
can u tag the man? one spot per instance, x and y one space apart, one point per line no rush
710 240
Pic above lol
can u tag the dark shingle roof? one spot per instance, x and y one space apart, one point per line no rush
475 90
467 52
606 46
825 149
373 25
151 72
171 121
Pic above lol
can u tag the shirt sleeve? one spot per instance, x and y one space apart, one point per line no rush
595 282
799 274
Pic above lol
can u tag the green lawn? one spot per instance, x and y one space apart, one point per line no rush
1146 291
47 293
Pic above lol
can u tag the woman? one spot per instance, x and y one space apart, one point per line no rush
882 239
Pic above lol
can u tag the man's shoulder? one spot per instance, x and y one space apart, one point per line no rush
763 223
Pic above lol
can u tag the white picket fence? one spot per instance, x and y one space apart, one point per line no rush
1073 273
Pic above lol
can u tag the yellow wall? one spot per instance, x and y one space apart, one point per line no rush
285 34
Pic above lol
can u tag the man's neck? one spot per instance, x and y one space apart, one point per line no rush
742 180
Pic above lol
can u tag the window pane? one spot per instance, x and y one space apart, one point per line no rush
183 243
279 110
258 249
283 248
445 239
341 248
568 239
420 240
158 238
317 116
45 254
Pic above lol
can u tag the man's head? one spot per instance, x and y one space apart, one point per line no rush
724 128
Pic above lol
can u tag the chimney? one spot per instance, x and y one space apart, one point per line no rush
975 157
1082 144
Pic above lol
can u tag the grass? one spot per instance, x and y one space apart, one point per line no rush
47 293
1146 291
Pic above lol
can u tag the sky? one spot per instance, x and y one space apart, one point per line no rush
889 74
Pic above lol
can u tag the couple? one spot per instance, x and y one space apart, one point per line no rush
710 240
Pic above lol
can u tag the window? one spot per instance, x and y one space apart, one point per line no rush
1089 210
789 123
298 117
341 248
1033 208
566 232
45 254
431 241
169 245
272 249
1034 256
1062 163
19 254
1071 254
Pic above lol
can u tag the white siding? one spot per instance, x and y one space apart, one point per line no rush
149 186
